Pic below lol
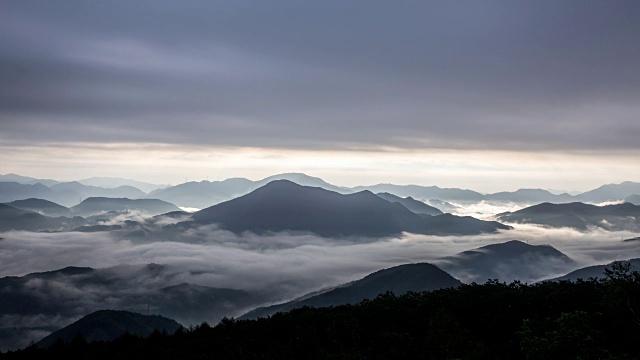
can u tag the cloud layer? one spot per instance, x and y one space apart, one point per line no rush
466 75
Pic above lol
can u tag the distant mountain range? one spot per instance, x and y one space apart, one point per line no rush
98 205
580 216
206 193
282 205
512 260
66 194
399 279
107 325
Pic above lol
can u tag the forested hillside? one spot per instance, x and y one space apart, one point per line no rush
591 319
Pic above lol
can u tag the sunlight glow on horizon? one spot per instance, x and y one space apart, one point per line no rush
484 171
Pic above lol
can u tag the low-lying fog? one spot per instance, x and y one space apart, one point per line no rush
290 264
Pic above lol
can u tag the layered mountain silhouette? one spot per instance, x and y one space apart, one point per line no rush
40 206
399 280
283 205
26 180
66 194
595 271
18 219
98 205
410 203
107 325
205 193
425 192
610 192
85 191
634 199
528 196
114 182
45 301
577 215
512 260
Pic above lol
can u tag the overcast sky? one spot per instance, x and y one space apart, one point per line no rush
475 94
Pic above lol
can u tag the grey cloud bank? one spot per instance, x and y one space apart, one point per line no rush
466 75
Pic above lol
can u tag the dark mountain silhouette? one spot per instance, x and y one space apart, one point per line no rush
595 271
577 215
43 207
106 325
114 182
633 199
98 205
304 180
528 196
399 279
610 192
207 193
18 219
197 302
512 260
410 203
56 297
283 205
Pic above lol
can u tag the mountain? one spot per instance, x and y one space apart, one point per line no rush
107 325
197 303
443 206
410 203
113 182
40 206
39 303
610 192
528 196
66 194
85 191
26 180
447 224
17 219
304 180
207 193
10 191
282 205
424 192
633 199
204 193
577 215
399 279
512 260
595 271
98 205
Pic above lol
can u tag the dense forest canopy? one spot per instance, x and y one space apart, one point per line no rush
590 319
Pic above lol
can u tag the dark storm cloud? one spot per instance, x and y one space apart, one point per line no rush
332 74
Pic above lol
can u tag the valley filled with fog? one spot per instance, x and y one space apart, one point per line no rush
276 240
